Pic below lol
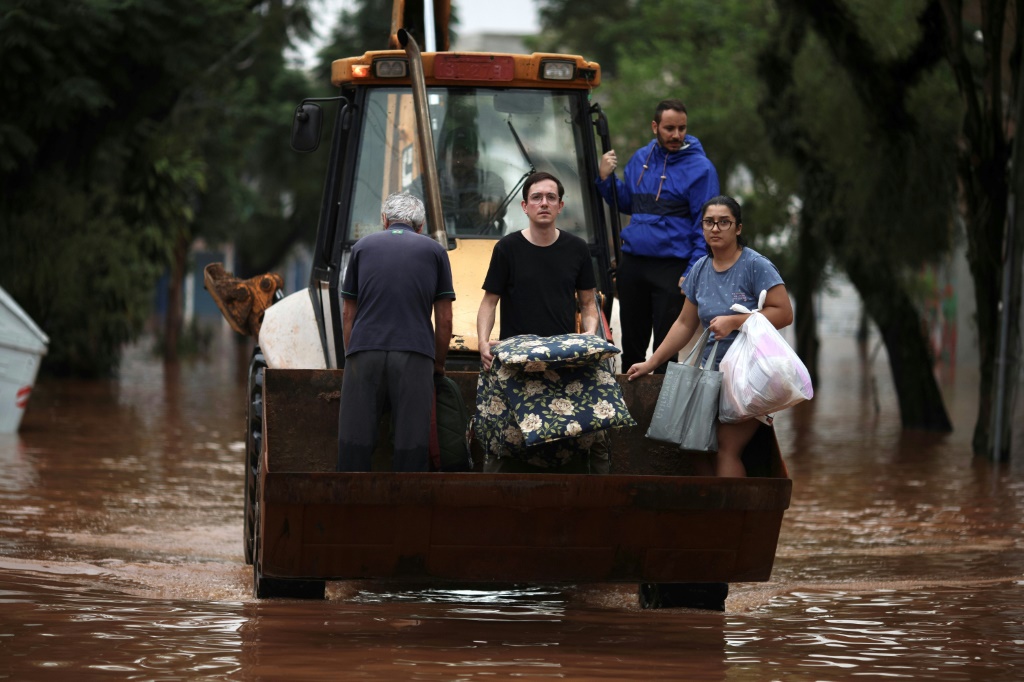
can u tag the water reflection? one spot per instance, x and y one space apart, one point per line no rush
120 553
939 632
56 628
53 627
452 639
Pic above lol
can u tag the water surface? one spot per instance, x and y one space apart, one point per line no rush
120 557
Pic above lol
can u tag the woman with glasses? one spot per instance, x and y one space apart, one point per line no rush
731 272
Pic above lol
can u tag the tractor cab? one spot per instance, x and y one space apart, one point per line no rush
494 119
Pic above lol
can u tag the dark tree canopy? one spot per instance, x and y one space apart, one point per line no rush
128 129
834 121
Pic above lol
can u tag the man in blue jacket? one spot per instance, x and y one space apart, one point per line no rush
666 183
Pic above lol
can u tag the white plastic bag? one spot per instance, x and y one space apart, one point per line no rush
761 374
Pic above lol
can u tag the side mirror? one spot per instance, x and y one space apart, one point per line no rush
306 127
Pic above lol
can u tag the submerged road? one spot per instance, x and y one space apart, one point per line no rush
120 555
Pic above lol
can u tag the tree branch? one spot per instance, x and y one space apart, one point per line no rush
880 85
952 12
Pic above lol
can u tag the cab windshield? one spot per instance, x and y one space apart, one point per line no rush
487 142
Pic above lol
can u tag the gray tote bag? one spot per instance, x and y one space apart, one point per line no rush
687 410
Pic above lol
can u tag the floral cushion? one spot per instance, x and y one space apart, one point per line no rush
547 399
497 431
537 353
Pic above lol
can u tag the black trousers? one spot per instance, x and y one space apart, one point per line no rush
649 301
373 379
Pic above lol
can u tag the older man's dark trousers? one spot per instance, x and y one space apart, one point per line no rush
374 379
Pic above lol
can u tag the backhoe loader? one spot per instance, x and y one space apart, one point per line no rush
406 120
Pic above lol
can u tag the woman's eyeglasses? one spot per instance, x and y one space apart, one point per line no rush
722 223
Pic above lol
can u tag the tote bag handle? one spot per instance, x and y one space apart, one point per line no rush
694 355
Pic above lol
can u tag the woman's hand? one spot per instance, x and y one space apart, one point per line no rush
639 369
723 325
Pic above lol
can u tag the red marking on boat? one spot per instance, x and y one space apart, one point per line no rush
22 397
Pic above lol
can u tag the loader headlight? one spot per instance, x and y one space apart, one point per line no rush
390 68
557 70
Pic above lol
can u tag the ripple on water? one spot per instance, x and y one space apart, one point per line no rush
120 522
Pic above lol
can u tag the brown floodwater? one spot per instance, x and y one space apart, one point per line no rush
901 557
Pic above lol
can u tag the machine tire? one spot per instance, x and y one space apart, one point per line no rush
708 596
253 448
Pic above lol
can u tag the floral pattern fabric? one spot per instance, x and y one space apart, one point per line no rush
537 353
546 399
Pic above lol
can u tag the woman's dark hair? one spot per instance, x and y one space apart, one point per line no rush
537 177
734 208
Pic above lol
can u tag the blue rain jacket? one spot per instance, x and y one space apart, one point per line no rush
665 223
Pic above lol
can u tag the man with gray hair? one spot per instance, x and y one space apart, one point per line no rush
405 209
395 279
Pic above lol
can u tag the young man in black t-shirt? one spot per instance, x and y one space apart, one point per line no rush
537 273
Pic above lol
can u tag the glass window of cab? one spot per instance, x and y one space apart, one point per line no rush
487 142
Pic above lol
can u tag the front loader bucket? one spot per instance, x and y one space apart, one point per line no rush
647 522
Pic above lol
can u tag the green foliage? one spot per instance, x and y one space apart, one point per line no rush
262 195
833 120
889 27
366 25
876 176
81 271
704 53
595 33
359 29
125 127
894 186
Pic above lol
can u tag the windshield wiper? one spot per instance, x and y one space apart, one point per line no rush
500 211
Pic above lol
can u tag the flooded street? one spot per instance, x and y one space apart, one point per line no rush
901 557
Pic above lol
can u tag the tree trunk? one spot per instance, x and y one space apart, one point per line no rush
985 194
175 307
807 340
809 273
873 273
1008 371
1008 345
910 357
981 167
778 110
811 263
